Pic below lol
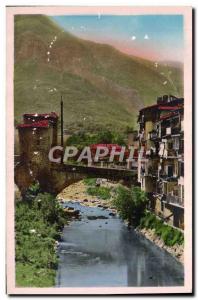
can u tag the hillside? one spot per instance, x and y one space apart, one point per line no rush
100 85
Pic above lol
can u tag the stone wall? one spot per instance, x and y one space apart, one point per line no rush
173 215
35 142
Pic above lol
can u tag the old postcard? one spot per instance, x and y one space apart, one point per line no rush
99 150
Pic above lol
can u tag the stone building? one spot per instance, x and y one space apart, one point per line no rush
52 118
133 142
161 168
37 134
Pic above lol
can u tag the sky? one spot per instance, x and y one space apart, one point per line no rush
154 37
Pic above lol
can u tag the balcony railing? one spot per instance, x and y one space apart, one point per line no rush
174 200
175 130
152 172
165 131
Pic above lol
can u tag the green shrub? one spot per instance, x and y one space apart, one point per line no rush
167 235
90 181
28 275
32 191
101 192
130 203
83 139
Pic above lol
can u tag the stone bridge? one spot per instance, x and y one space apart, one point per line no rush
37 134
55 177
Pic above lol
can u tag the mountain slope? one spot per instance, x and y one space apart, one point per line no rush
101 86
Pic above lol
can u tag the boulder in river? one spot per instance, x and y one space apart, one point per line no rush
97 217
105 206
91 217
72 212
70 208
102 217
112 214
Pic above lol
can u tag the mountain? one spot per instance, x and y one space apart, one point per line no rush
101 86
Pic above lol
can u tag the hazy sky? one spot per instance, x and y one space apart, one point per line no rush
156 37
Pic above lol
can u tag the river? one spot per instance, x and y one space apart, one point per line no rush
103 252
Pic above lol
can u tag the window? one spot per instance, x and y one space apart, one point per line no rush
165 188
181 169
176 143
176 169
182 193
169 171
162 205
182 125
168 130
170 145
181 148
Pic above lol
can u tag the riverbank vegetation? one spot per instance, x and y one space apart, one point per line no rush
130 204
168 234
39 220
89 181
101 192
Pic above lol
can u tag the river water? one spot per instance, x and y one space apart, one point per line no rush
103 252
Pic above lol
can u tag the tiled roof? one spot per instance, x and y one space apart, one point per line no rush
170 107
40 124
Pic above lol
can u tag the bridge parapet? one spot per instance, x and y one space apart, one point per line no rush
126 175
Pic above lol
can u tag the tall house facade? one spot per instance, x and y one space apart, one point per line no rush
161 159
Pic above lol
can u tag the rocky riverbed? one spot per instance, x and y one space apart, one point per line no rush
176 251
77 192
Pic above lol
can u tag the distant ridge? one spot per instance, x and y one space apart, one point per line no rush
101 86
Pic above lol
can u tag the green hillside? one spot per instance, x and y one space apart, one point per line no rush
101 86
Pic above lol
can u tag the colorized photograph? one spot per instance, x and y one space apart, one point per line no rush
99 139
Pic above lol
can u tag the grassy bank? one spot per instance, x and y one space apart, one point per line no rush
102 192
170 236
38 223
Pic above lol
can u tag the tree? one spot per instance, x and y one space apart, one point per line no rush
131 204
105 137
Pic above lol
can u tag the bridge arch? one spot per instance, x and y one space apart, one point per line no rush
56 177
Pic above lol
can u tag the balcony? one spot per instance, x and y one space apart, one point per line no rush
172 153
159 188
169 131
153 135
152 172
174 200
175 130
